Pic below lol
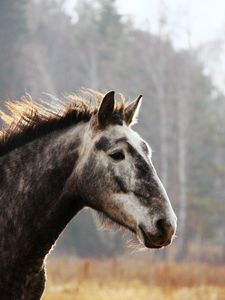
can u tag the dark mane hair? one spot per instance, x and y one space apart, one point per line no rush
27 120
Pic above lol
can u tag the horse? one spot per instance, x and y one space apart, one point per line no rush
54 163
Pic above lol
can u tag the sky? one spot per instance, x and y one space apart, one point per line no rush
190 21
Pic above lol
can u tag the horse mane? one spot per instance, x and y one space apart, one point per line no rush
26 120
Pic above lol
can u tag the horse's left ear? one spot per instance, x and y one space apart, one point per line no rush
131 111
106 109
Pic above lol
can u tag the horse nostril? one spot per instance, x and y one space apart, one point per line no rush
165 227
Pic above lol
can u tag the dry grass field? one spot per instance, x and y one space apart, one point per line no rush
122 279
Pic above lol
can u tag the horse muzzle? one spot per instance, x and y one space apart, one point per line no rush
162 236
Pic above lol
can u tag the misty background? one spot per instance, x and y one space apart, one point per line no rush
173 54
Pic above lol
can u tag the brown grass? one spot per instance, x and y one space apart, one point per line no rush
123 279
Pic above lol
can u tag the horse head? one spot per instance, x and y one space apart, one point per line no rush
116 175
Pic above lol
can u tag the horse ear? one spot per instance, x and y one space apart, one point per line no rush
106 109
131 111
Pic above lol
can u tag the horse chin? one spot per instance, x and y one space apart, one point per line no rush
106 222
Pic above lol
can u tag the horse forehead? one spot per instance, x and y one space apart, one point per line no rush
132 136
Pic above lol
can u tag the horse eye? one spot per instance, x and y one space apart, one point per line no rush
119 155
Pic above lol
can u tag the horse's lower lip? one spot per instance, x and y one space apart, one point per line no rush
148 241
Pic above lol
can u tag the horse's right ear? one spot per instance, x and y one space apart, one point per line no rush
132 110
106 109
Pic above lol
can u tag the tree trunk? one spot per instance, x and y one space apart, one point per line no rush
163 141
182 177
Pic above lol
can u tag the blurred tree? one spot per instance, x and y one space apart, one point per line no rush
42 49
100 30
82 237
13 31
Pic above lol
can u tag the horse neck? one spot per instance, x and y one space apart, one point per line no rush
35 205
